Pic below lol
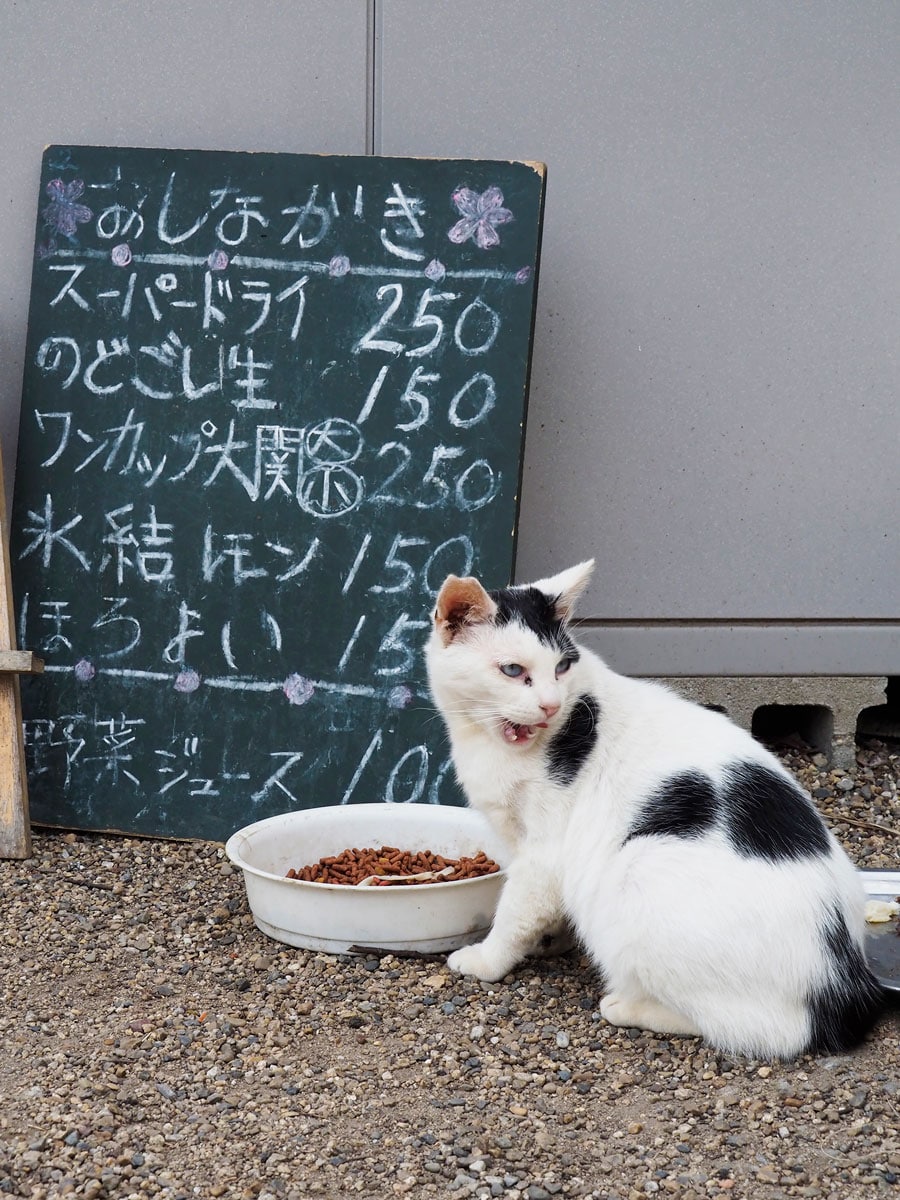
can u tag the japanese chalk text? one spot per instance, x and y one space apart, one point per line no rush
270 402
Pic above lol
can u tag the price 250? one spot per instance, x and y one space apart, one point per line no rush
441 484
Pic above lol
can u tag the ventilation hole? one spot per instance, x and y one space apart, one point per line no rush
802 726
882 721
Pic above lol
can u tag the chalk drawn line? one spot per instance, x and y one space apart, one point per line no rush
240 683
244 262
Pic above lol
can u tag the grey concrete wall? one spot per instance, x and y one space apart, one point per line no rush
716 367
716 372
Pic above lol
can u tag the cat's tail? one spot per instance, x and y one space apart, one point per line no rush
847 1003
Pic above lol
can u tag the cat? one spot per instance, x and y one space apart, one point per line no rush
692 867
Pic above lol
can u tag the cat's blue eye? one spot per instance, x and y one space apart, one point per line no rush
513 670
563 665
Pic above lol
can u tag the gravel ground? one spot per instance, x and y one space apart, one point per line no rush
156 1044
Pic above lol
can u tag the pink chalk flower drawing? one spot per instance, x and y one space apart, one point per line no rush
480 216
63 214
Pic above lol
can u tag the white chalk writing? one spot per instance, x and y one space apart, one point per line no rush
268 412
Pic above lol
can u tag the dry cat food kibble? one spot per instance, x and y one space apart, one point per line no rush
389 867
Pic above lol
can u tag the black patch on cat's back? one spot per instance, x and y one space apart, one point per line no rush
767 816
844 1008
570 746
683 806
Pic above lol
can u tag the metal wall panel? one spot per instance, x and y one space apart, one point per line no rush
209 74
714 400
853 648
713 403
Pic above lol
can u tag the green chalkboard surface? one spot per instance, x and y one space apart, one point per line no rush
270 401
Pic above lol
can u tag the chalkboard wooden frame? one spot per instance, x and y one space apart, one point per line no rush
269 402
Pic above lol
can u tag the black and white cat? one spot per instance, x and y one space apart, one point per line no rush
693 868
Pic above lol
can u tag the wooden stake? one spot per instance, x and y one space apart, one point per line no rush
15 828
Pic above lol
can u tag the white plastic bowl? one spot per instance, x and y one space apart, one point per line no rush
430 918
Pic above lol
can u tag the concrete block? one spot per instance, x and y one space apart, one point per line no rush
835 702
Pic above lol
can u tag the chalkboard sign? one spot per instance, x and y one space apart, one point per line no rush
270 401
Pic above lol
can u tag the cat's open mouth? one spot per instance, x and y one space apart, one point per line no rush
517 734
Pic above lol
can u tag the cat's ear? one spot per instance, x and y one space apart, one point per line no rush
461 603
565 588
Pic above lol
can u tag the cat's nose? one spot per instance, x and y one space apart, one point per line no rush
549 710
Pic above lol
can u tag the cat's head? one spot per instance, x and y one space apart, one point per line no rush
503 660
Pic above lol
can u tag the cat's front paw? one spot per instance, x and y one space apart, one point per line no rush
472 960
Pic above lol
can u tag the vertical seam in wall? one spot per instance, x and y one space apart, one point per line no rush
373 80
